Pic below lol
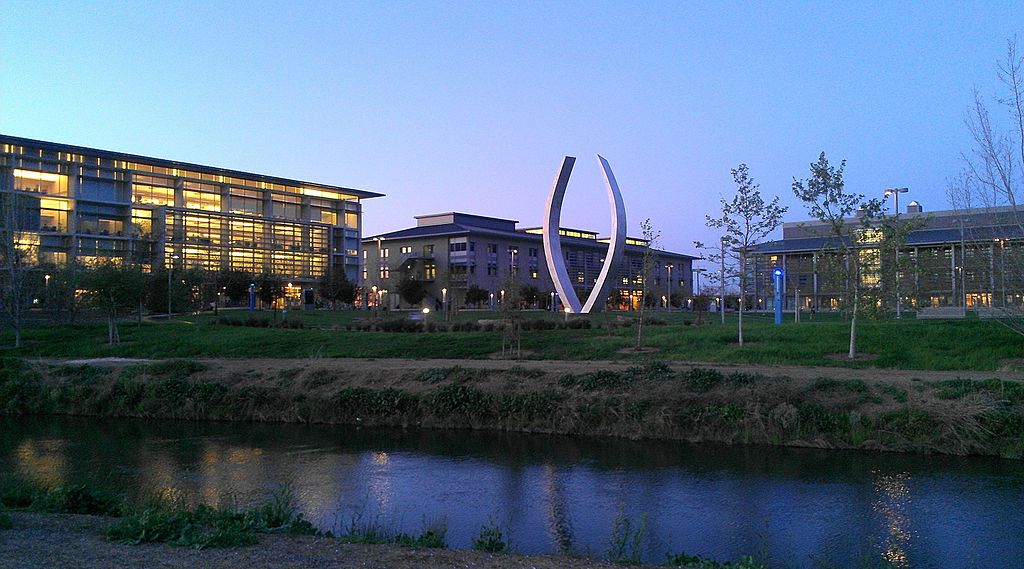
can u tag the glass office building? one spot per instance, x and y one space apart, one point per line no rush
94 206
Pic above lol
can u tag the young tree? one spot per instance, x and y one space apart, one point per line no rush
650 236
746 220
335 287
992 172
61 291
115 289
848 219
529 294
411 290
235 285
511 318
269 289
476 295
16 263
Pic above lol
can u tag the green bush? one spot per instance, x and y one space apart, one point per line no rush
459 399
5 521
490 539
77 499
702 379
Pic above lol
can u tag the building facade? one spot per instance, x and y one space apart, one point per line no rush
451 252
93 206
957 258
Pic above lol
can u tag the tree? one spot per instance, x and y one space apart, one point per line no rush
848 219
650 236
411 290
335 287
511 318
16 263
992 171
234 284
476 295
114 289
60 295
529 294
269 289
745 220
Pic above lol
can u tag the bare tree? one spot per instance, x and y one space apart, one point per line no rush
16 263
746 220
993 175
849 221
650 236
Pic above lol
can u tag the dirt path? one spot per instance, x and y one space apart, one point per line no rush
60 541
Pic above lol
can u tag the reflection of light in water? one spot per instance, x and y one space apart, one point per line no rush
558 521
45 460
380 480
244 455
891 504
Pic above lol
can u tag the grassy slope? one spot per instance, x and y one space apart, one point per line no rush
906 344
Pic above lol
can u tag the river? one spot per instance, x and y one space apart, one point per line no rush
555 494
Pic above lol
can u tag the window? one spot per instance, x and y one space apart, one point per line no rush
384 253
152 194
351 220
492 248
456 246
533 251
245 201
40 182
142 223
53 215
405 250
202 200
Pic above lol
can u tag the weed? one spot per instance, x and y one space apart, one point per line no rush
702 379
458 399
179 369
897 393
626 540
77 499
698 562
317 378
490 539
851 385
374 533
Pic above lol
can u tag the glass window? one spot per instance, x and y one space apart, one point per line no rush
40 182
202 200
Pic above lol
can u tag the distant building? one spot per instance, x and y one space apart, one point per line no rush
455 251
93 206
970 258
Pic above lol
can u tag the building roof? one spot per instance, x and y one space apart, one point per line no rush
918 237
161 162
468 223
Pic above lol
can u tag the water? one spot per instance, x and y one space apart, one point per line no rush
805 508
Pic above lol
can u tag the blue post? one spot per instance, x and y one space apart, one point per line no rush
779 289
252 297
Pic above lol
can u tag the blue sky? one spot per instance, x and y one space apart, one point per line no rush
470 106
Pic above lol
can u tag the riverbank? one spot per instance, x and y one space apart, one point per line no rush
928 412
68 540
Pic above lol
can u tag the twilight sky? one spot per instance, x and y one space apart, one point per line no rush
470 106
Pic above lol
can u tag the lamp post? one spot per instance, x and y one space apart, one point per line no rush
1002 268
444 302
963 263
552 301
895 193
170 270
492 301
426 313
696 286
669 267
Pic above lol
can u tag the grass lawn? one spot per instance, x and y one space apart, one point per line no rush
906 344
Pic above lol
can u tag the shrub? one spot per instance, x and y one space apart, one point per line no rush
490 539
459 399
702 379
77 499
5 521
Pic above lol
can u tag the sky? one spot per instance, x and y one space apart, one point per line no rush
470 106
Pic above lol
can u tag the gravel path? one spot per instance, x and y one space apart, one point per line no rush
61 541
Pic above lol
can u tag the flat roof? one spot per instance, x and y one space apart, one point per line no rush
182 165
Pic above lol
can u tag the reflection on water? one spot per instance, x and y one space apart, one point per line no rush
891 506
559 494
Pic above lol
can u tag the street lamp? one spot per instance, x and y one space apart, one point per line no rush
895 193
1002 269
492 301
444 302
669 267
169 271
696 286
552 301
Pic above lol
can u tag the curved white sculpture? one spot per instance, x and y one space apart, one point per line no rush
553 244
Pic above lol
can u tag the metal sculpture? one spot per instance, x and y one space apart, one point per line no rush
553 245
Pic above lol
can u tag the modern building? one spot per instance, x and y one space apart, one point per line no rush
451 252
958 258
93 206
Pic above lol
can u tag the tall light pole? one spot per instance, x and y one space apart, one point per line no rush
444 302
696 286
170 270
669 267
1002 268
963 263
895 193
